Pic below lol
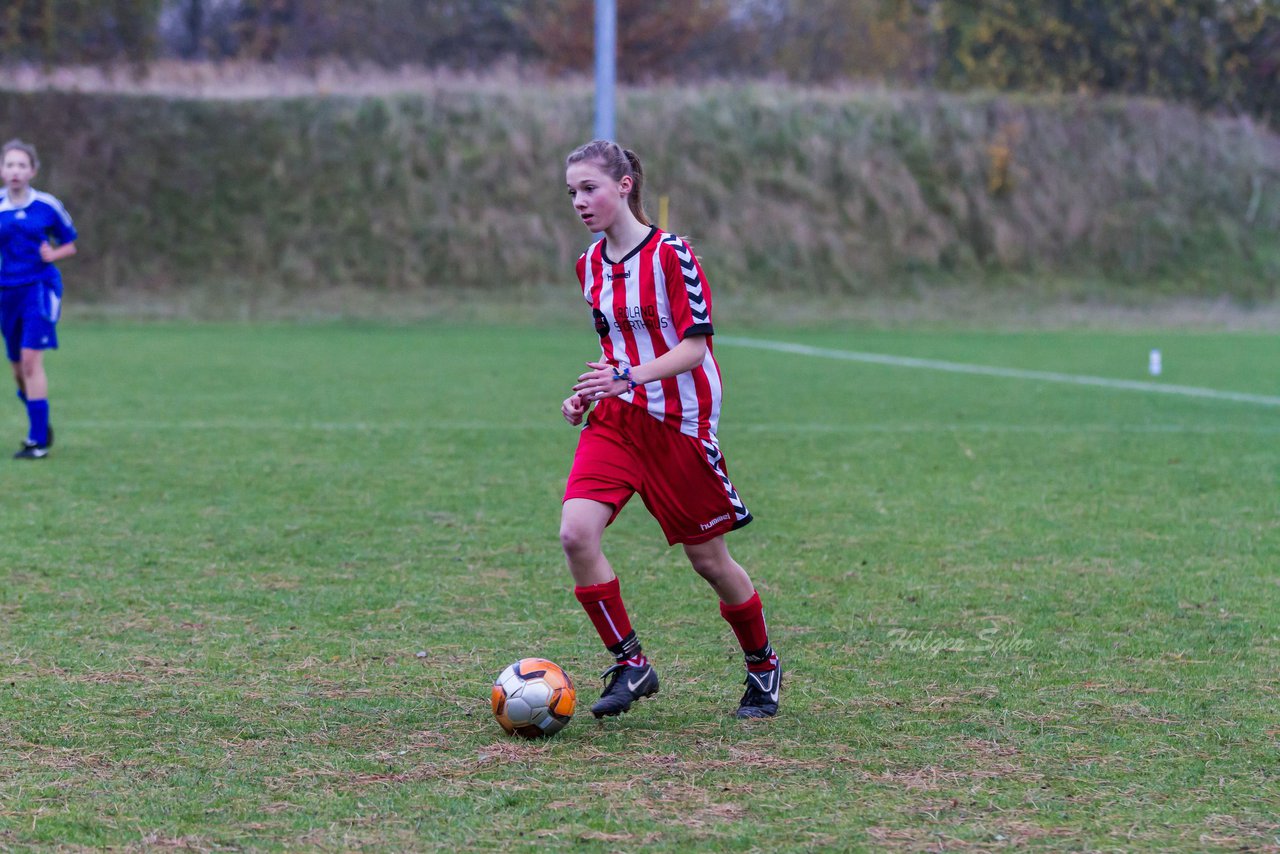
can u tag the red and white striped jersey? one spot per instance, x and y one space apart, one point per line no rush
644 305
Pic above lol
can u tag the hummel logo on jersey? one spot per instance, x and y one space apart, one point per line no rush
613 274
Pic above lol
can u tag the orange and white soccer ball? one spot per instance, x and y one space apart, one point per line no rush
533 698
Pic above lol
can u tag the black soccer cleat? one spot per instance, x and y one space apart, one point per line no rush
761 698
629 684
31 451
49 442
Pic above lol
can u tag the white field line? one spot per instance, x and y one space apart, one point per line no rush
420 428
1008 373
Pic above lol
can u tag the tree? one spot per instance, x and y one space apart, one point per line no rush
1206 52
262 26
654 36
78 31
820 41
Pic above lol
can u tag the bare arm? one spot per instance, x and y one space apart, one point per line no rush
49 253
598 383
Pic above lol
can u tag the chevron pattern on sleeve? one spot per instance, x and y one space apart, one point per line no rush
693 283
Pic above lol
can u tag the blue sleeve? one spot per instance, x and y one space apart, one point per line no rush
64 231
62 228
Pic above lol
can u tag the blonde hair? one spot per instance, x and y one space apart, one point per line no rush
618 163
19 145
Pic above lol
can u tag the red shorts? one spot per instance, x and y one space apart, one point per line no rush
682 479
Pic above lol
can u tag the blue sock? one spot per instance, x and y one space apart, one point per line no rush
38 414
22 395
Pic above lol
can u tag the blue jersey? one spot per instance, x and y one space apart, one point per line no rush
23 229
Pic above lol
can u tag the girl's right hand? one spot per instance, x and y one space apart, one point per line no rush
574 409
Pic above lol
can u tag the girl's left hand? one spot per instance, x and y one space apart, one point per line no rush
47 253
598 383
574 409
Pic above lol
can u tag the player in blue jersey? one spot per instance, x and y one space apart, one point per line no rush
35 232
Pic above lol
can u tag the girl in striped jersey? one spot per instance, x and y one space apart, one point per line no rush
30 285
656 391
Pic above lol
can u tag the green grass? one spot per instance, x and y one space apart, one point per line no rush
1013 613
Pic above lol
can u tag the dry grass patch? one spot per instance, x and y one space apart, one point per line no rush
159 841
670 802
740 759
933 778
997 834
67 760
1239 834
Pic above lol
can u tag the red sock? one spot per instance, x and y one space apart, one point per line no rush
747 621
603 604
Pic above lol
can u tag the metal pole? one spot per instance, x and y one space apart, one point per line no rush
606 65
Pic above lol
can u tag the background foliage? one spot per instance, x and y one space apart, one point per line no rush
1205 52
1210 53
52 31
780 189
816 188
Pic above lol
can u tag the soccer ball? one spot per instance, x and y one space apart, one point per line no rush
533 698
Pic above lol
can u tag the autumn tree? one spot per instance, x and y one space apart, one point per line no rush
1206 52
820 41
78 31
654 36
260 27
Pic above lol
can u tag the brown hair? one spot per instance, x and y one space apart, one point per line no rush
618 163
19 145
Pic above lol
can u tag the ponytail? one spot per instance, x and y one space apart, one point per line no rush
634 199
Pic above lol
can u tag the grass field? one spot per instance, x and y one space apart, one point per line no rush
1014 613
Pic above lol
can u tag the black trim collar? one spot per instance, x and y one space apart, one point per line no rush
604 249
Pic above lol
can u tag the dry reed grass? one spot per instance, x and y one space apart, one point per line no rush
241 80
237 190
